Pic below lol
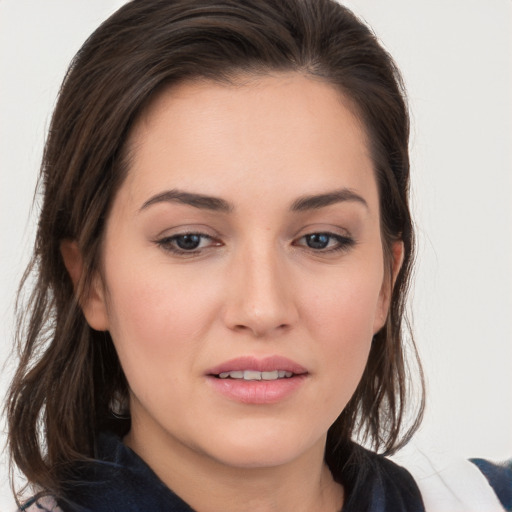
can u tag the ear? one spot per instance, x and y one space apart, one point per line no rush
397 255
92 301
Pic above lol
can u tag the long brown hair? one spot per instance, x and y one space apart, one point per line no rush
69 374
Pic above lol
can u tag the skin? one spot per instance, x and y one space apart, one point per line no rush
254 286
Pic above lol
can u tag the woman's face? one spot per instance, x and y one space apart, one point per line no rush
242 271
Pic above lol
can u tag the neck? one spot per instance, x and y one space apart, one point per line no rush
302 485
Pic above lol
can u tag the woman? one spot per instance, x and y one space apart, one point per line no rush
222 259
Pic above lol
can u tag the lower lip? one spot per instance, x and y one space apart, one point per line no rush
257 391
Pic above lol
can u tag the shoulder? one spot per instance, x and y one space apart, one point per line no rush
43 504
451 484
499 477
413 480
374 483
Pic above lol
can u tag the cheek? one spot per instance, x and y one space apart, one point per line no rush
157 301
156 324
158 321
342 319
346 305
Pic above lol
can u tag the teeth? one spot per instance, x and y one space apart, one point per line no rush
252 375
255 375
236 375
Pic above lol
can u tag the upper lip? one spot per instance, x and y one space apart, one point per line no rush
265 364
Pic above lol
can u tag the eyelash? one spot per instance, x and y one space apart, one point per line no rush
343 243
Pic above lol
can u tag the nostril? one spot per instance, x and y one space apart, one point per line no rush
260 330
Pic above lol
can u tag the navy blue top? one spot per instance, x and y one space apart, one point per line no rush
120 481
500 478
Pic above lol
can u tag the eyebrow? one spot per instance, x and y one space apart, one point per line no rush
317 201
196 200
204 202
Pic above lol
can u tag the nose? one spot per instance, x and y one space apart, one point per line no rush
260 298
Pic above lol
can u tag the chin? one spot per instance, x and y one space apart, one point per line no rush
263 449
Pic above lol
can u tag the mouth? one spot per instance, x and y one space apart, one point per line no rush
256 375
251 380
254 368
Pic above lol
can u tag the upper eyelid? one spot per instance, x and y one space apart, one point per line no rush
187 230
184 233
214 236
328 230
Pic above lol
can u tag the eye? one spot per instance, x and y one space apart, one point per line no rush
326 242
187 243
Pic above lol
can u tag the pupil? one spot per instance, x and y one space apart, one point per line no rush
188 242
318 241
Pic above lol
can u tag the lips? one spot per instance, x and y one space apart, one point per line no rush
251 380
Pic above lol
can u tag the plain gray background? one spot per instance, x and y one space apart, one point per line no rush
456 57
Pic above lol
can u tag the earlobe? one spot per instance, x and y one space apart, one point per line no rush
91 300
397 254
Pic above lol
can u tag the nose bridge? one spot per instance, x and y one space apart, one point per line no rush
261 301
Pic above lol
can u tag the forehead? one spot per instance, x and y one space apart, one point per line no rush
285 130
